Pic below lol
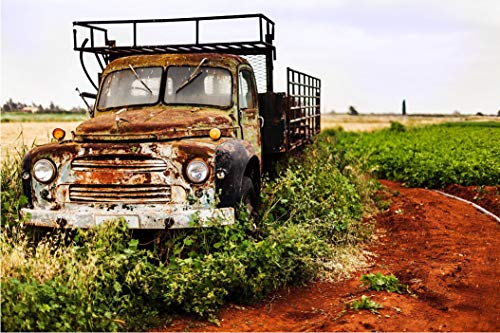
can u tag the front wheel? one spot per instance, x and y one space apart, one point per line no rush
249 199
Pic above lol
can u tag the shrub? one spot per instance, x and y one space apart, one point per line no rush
379 282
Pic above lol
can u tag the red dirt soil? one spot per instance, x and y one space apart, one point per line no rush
487 197
444 250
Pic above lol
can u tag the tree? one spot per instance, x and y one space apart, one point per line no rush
353 111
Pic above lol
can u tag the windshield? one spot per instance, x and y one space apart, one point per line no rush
133 86
198 86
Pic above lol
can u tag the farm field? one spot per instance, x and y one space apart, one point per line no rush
21 117
40 132
445 252
442 249
368 123
433 156
16 134
319 228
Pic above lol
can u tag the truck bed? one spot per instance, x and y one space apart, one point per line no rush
291 119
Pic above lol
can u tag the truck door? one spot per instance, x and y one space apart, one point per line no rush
248 109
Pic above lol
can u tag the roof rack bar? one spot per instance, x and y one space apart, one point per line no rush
197 32
180 19
135 34
109 50
95 25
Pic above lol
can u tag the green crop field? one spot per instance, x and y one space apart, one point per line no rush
22 117
432 156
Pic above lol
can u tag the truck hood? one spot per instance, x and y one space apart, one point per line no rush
153 124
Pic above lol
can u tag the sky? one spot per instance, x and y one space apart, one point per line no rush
440 56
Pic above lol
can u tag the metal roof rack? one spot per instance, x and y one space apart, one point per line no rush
106 50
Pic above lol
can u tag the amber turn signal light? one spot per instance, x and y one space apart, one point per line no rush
58 134
215 134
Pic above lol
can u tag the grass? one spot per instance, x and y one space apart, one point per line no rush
371 122
101 279
13 117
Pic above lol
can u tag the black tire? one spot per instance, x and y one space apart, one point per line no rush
249 198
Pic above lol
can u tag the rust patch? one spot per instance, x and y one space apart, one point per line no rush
155 123
55 151
228 61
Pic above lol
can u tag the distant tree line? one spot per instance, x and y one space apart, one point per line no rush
11 106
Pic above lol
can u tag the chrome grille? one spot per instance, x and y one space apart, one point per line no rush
118 162
120 193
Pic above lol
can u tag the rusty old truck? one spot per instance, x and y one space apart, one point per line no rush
178 135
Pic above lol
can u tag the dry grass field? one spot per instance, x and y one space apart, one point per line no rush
15 134
367 123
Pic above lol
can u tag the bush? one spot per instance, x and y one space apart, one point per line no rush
12 189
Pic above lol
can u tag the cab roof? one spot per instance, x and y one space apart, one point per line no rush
228 61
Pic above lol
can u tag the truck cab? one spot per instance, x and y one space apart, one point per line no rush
174 141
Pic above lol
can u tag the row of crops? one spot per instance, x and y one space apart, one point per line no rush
430 156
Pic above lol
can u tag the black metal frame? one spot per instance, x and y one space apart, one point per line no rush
109 51
303 117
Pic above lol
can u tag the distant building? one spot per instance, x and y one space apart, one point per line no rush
30 109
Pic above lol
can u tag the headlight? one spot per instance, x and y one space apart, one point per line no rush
44 170
197 171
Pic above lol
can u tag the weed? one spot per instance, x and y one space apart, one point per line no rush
366 303
397 127
382 203
12 191
379 282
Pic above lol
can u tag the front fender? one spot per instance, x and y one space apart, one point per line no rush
26 178
232 158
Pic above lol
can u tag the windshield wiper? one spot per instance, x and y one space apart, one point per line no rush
193 76
140 80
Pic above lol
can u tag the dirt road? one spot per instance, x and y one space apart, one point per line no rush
444 250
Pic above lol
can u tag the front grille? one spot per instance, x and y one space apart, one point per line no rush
136 163
120 193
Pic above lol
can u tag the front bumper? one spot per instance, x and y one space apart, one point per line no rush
136 216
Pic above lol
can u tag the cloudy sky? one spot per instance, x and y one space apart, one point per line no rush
440 56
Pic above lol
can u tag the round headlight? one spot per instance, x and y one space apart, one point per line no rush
44 170
197 171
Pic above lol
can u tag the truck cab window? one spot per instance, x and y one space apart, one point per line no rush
246 96
125 88
207 86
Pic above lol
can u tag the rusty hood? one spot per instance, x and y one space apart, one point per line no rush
153 124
